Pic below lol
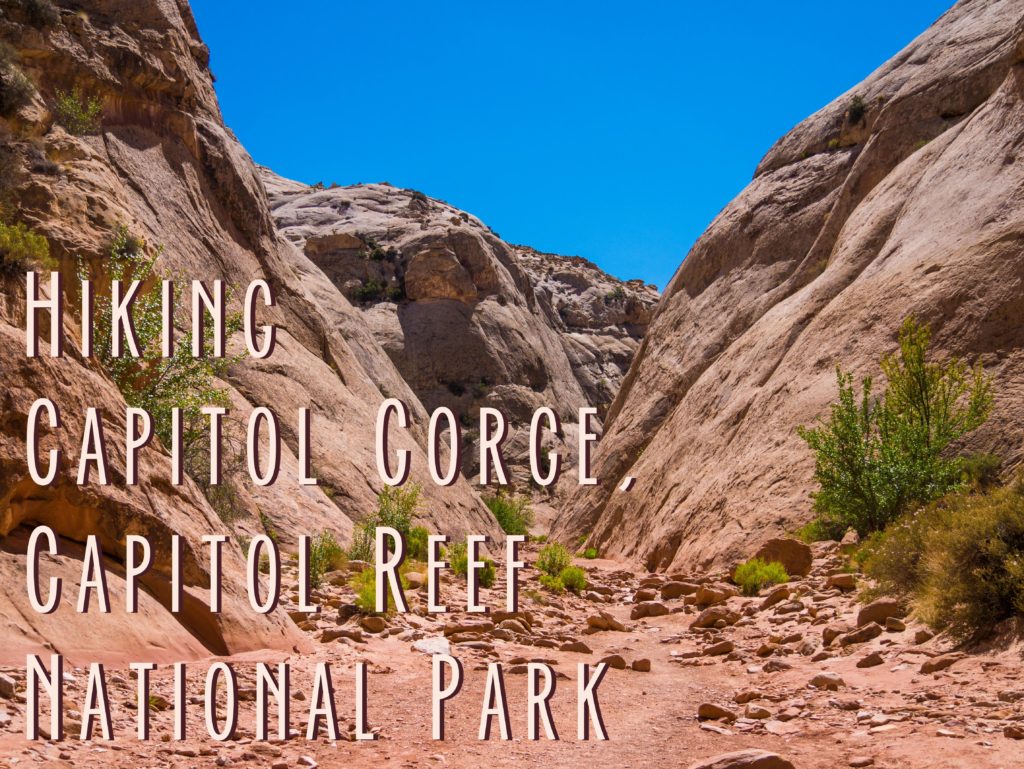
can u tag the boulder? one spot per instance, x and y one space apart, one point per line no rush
879 611
744 759
794 555
648 609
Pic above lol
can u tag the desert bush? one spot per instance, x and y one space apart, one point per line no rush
961 559
396 507
20 246
552 583
757 573
512 512
416 543
856 110
486 575
78 113
980 471
325 554
573 579
458 559
590 553
553 558
876 458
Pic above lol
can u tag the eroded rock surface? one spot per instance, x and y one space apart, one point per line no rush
903 196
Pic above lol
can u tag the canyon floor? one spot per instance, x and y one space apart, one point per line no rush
751 669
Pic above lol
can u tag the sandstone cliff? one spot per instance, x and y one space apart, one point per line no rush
163 163
468 320
903 196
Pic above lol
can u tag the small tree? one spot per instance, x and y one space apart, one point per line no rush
876 457
151 382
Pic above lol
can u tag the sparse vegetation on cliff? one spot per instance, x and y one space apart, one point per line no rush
78 113
21 246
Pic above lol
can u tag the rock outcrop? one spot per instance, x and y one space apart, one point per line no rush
468 320
162 163
903 196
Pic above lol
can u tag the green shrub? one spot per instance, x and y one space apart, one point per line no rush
325 554
874 459
573 579
79 114
617 294
416 543
20 247
486 575
590 553
980 471
553 558
961 559
855 112
757 573
554 584
364 584
396 507
458 559
512 512
154 383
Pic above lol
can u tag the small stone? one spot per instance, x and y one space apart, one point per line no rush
842 581
861 635
708 711
878 611
830 681
1013 732
641 665
858 762
794 555
870 661
720 648
756 711
710 595
672 590
713 615
371 623
615 661
895 625
742 698
433 645
935 664
648 609
7 687
923 636
575 646
744 759
605 621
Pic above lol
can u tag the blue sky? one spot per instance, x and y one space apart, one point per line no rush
612 131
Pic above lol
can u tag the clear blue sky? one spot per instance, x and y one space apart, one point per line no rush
615 131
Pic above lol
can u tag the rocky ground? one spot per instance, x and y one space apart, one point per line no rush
805 671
